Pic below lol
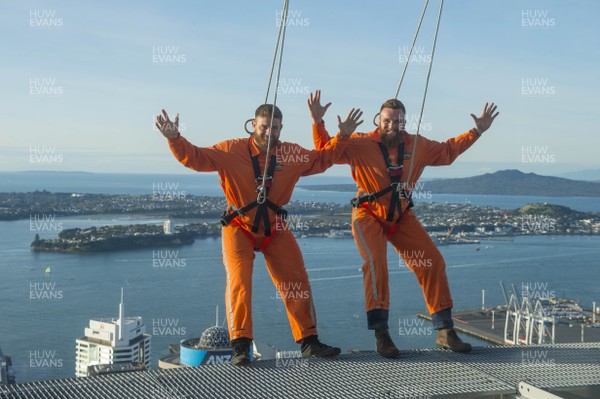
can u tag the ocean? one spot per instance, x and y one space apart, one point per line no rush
36 327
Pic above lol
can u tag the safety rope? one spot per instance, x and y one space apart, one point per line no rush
262 189
412 156
411 49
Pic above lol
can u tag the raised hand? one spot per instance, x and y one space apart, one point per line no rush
484 122
316 109
168 129
348 126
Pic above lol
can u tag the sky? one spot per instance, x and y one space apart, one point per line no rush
81 81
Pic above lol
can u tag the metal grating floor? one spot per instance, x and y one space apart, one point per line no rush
418 374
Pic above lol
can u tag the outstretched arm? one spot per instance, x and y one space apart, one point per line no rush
333 151
352 121
445 153
317 111
193 157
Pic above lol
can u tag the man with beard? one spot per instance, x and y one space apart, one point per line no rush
380 162
257 223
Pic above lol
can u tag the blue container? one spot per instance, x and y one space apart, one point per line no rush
192 357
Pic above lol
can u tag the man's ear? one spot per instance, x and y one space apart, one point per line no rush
253 123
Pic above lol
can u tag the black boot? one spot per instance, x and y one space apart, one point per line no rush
311 346
241 351
385 345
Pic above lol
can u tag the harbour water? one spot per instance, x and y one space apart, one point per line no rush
41 314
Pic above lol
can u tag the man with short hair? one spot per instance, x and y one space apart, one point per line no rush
381 163
256 222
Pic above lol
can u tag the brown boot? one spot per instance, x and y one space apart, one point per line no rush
448 339
385 345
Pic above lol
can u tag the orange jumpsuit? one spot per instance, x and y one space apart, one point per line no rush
232 160
371 229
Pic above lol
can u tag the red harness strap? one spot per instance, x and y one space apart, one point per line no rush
388 230
265 241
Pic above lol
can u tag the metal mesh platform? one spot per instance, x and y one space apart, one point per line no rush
418 374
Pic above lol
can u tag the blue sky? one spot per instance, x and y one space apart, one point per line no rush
80 95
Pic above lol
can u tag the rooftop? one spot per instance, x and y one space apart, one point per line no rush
487 372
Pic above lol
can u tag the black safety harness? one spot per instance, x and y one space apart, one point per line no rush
397 188
263 203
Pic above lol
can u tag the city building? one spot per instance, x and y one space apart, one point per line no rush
7 374
168 226
110 341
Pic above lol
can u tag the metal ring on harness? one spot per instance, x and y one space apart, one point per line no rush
375 117
262 197
246 126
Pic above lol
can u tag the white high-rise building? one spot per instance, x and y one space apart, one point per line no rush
168 226
110 341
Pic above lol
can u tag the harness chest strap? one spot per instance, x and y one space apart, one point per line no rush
395 174
262 212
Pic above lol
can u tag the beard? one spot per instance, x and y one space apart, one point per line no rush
262 140
391 137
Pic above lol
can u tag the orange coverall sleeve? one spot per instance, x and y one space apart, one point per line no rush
201 159
437 154
323 158
321 139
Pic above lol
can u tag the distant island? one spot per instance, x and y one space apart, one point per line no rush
121 237
504 182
